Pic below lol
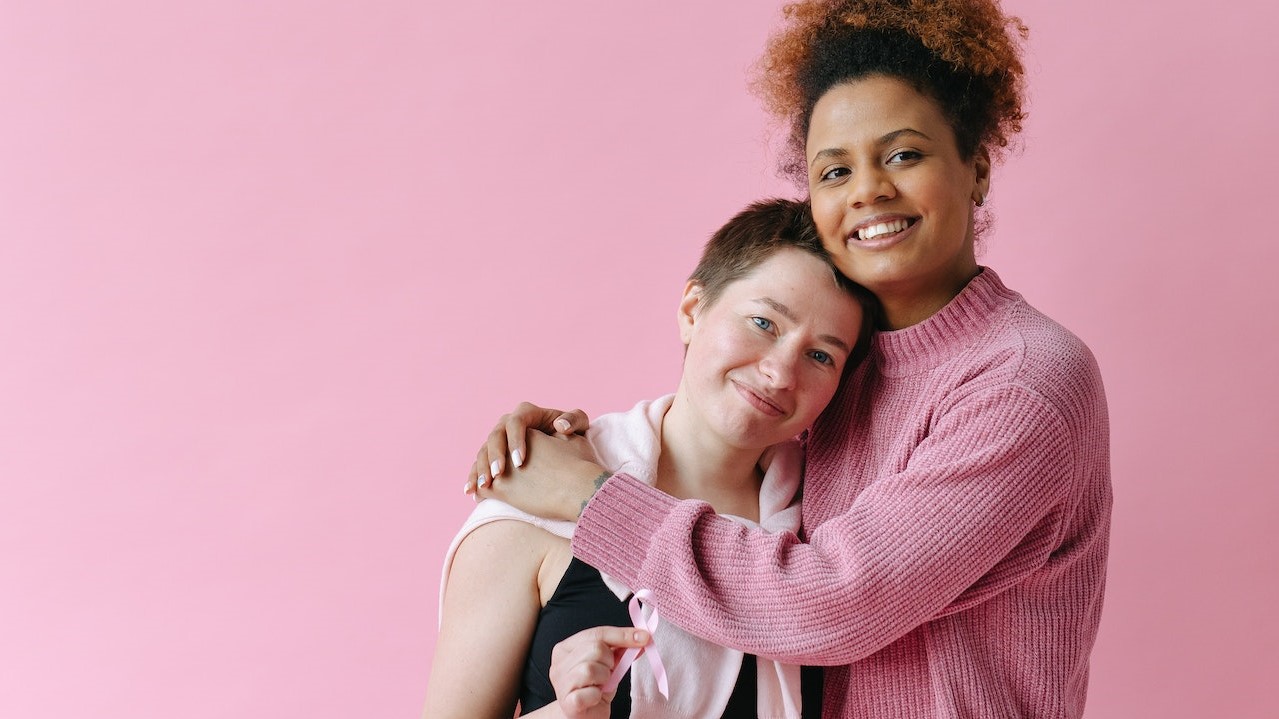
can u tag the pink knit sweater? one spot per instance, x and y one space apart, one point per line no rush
957 510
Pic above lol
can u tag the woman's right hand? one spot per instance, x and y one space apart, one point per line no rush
507 441
583 663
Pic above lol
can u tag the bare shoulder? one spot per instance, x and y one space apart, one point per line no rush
508 550
489 613
507 542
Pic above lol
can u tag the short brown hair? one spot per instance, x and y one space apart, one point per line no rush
754 235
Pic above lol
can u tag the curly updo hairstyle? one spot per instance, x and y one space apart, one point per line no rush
965 54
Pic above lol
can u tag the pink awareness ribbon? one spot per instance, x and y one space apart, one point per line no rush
649 650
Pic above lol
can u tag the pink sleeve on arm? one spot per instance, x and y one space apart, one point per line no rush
978 507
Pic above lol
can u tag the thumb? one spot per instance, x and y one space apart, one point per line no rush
573 421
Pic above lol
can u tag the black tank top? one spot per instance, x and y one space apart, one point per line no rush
582 601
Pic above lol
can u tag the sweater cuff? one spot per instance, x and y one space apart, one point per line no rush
616 528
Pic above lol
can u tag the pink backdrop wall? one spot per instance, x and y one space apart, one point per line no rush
269 270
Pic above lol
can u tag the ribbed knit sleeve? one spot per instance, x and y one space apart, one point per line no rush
979 492
956 517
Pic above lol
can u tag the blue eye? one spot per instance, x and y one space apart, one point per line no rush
762 323
823 357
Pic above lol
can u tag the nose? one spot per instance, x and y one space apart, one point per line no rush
870 185
778 367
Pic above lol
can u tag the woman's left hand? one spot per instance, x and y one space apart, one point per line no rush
555 480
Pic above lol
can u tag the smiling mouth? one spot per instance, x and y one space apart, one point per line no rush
882 229
759 401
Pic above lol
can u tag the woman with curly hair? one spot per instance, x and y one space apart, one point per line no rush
957 490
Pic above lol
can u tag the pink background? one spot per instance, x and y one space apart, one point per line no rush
269 270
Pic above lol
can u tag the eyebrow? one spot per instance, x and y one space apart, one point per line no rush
836 152
786 312
832 340
898 133
839 152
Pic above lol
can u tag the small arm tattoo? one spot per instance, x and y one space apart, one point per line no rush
599 482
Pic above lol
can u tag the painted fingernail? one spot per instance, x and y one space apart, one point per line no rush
466 488
517 457
484 480
493 467
562 424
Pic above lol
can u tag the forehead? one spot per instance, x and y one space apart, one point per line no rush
801 281
866 109
781 270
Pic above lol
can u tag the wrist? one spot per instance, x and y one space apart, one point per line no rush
589 478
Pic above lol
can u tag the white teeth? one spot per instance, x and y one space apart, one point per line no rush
883 228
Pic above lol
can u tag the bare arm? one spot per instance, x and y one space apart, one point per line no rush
490 610
491 603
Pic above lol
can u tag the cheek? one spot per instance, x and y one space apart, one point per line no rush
714 348
818 391
948 195
826 213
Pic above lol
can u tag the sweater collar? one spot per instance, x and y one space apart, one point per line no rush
961 323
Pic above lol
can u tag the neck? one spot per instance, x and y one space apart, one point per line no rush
696 463
904 307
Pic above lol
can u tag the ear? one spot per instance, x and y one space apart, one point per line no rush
981 182
689 305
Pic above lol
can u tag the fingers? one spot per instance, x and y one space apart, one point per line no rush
582 664
525 417
482 470
506 445
609 638
496 448
507 440
480 475
549 421
531 416
573 421
580 702
472 481
587 658
490 461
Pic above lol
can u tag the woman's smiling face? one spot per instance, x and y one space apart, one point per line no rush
766 356
892 198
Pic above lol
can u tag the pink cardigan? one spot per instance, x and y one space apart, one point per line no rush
957 510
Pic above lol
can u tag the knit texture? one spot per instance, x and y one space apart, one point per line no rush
957 511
